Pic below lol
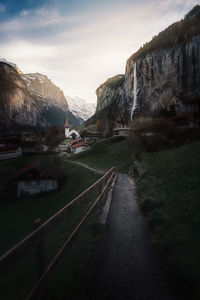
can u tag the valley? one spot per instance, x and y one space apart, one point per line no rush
133 156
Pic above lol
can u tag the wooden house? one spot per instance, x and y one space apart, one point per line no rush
35 178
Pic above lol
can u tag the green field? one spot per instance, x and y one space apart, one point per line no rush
168 188
111 152
17 219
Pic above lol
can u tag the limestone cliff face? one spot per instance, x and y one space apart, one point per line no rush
17 106
111 94
163 73
164 77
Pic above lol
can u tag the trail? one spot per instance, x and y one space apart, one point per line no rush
127 267
100 172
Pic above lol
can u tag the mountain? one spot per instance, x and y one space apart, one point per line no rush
31 100
17 106
162 74
49 98
80 108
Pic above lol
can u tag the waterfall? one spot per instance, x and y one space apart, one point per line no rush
135 91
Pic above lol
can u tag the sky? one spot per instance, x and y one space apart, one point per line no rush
78 44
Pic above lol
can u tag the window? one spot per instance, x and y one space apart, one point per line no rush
27 182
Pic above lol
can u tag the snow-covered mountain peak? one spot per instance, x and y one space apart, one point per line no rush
80 108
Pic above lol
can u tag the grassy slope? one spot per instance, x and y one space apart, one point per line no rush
19 215
169 189
17 220
112 152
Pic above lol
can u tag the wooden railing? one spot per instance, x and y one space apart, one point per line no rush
35 238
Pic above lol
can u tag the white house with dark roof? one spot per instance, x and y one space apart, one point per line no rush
35 178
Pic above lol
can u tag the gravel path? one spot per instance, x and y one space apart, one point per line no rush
85 166
128 268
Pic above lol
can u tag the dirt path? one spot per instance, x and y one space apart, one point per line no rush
85 166
128 268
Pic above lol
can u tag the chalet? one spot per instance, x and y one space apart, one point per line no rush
79 147
35 178
10 151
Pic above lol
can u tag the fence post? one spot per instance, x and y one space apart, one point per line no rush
101 188
40 259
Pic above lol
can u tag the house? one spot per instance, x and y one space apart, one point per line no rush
121 131
79 147
10 151
92 137
35 178
72 143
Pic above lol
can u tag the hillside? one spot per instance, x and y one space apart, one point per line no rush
108 153
179 32
168 190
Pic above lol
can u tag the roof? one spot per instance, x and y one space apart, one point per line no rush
82 144
94 134
8 148
67 123
121 128
45 170
75 141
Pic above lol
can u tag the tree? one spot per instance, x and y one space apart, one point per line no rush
54 135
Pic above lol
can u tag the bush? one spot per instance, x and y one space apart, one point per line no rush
153 134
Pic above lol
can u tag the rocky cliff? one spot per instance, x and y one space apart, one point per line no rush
111 97
30 100
17 106
164 78
163 73
49 98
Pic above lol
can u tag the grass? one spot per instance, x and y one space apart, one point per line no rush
17 219
108 153
114 82
168 189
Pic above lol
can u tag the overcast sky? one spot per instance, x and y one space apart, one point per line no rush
78 44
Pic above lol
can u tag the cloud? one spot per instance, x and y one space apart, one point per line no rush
79 51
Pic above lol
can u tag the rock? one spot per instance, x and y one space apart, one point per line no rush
17 106
165 77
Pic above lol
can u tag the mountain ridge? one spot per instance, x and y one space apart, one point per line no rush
21 91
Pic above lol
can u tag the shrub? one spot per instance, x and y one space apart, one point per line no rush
153 134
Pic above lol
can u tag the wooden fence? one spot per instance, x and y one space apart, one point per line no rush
36 238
